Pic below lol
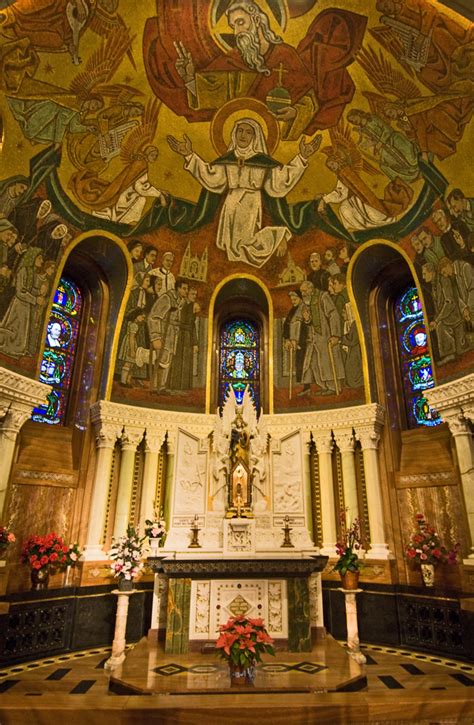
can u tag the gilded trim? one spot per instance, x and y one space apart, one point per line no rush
210 335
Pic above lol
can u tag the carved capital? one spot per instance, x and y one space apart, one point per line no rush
15 388
458 424
106 435
368 437
453 398
345 439
154 440
323 441
16 416
131 438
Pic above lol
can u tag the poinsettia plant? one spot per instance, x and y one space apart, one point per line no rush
6 538
126 553
424 546
243 640
44 551
347 547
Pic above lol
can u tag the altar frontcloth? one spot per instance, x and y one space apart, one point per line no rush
147 669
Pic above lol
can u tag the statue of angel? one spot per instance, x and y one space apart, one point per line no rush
221 438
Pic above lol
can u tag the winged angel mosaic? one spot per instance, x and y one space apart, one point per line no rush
227 64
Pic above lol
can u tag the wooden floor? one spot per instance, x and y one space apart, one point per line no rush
402 687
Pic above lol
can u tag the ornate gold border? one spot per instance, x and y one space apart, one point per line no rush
62 263
210 335
360 330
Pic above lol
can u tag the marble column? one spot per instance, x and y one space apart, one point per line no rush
119 643
353 644
153 442
13 418
105 441
461 431
369 438
345 441
324 445
130 439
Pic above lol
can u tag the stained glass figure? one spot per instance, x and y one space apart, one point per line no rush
239 360
59 352
415 359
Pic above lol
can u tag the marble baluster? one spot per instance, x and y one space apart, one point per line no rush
119 643
106 437
353 644
130 440
324 445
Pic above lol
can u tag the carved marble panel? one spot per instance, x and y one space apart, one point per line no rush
200 610
288 476
190 475
239 537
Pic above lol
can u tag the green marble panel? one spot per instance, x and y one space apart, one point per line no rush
299 622
177 624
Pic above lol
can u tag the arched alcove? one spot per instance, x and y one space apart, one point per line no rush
243 299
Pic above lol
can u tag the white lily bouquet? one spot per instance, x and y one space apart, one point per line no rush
126 554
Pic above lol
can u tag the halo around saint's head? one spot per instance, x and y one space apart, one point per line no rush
232 111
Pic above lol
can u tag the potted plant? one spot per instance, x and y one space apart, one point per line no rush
6 538
425 548
156 531
43 553
73 554
349 564
126 552
241 642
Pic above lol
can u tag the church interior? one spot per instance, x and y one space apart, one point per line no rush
236 361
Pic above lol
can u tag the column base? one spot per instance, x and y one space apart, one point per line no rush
379 551
114 661
94 552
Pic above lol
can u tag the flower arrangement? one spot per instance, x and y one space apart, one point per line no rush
425 545
126 553
73 554
156 529
6 538
43 551
347 547
242 641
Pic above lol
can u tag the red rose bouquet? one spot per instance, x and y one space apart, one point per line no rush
44 551
425 545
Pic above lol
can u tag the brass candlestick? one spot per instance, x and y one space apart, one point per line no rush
195 531
287 541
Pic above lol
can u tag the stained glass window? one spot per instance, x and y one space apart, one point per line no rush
239 363
59 352
415 359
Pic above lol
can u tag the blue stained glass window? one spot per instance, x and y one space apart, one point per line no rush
415 359
239 364
59 352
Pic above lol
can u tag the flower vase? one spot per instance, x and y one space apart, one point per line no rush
125 585
241 675
427 573
350 580
154 544
39 578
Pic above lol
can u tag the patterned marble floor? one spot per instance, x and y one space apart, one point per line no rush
79 673
403 687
